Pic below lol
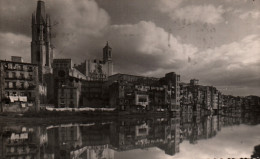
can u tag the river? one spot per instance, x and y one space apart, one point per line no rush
183 137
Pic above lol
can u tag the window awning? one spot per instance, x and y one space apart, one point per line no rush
22 98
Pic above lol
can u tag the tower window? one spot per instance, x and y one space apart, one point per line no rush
62 92
38 56
71 93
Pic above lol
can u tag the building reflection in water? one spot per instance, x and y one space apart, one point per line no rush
102 140
22 142
157 132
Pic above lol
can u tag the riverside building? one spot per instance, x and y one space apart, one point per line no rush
20 89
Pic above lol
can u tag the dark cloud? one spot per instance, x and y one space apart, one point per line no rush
15 16
145 47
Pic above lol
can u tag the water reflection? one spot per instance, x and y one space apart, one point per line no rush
104 140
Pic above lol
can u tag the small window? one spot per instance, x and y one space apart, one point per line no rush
6 84
30 77
62 92
71 104
13 74
38 56
22 85
29 68
71 93
21 75
25 68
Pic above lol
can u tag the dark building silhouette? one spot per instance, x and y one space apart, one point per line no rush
41 48
256 153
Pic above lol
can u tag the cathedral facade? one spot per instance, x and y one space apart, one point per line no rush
98 70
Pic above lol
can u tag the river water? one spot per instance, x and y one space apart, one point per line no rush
184 137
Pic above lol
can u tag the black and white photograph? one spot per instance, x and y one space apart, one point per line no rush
129 79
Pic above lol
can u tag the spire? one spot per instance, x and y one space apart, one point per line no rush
48 20
33 19
40 12
107 46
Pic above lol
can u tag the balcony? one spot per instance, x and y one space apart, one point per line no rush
31 87
12 78
31 99
11 88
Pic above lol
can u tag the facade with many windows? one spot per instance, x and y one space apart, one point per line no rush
129 92
20 88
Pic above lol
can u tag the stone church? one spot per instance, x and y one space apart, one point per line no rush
68 84
41 47
98 69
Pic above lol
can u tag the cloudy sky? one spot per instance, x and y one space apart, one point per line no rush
215 41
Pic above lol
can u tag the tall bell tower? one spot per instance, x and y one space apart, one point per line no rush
107 59
41 48
107 53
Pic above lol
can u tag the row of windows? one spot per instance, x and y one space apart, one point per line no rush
17 149
62 102
10 93
61 65
96 95
21 67
18 75
21 85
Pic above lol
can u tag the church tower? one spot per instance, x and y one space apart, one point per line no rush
107 59
107 53
41 48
